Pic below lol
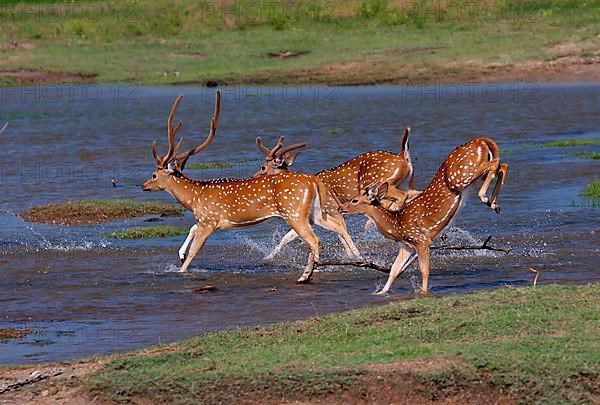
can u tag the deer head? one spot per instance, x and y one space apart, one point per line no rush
365 201
277 160
172 164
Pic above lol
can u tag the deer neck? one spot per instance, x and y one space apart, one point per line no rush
185 190
385 221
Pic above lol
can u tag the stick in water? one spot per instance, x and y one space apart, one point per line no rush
375 266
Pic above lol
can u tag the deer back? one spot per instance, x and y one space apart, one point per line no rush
363 171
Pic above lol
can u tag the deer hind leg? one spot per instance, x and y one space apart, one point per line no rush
335 223
404 259
423 252
489 169
305 232
183 249
202 235
290 236
499 183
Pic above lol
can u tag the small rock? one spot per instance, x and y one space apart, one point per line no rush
206 288
274 289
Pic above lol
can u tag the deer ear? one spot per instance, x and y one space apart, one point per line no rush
372 193
382 191
290 158
171 167
278 162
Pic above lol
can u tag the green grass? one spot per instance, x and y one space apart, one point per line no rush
538 344
589 155
572 142
209 165
383 40
97 211
147 232
592 190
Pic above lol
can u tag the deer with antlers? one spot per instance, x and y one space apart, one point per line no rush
233 203
422 219
346 180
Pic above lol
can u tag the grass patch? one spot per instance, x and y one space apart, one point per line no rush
538 344
572 142
588 155
592 190
382 40
89 212
147 232
7 334
209 165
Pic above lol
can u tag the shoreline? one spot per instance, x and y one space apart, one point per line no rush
422 368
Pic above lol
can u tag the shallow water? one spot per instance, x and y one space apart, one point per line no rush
83 295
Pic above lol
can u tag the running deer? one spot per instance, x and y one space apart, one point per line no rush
233 203
346 180
422 219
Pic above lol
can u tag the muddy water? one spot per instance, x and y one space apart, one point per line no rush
83 295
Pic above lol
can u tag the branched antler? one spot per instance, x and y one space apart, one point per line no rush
182 158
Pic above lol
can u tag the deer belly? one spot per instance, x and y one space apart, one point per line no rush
247 216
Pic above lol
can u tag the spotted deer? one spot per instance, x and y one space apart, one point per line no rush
422 219
233 203
346 180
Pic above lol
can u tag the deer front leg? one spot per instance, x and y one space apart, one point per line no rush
489 168
290 236
499 183
202 234
404 259
184 247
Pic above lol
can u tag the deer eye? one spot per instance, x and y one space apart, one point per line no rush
263 168
154 176
355 201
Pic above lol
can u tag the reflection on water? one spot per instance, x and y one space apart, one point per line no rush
82 295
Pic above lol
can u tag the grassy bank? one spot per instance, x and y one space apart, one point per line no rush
147 232
505 345
89 212
334 42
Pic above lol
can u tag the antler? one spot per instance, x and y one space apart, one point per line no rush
171 132
292 147
274 153
4 127
214 122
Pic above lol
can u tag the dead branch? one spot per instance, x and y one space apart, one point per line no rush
370 265
484 246
356 263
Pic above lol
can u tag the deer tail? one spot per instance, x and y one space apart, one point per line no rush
323 197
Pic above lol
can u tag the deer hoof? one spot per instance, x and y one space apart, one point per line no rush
303 280
380 293
483 199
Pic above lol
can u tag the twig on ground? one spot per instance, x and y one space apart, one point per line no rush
36 376
537 274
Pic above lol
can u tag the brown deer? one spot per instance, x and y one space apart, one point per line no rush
233 203
422 219
346 180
